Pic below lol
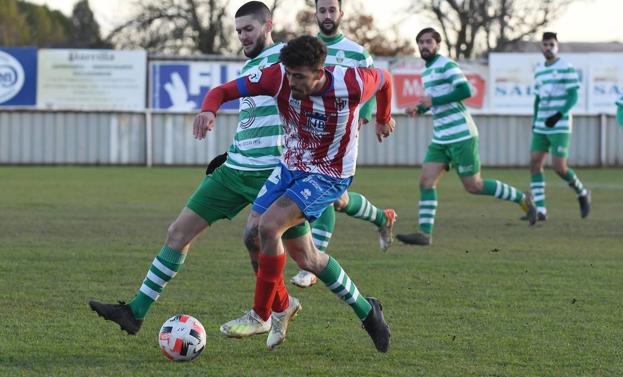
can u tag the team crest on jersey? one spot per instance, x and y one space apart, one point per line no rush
339 57
340 103
247 112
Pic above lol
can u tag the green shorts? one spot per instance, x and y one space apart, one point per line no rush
463 155
226 192
556 144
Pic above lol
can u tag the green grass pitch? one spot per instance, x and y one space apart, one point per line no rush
491 297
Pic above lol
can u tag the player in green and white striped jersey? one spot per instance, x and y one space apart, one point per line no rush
255 151
344 52
556 86
455 139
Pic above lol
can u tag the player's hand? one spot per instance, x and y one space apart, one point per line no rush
411 111
552 120
203 123
426 101
384 130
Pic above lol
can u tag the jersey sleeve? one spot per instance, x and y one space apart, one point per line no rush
572 79
264 82
366 109
377 82
454 75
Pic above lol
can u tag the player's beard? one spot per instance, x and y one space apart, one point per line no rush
428 54
328 30
260 44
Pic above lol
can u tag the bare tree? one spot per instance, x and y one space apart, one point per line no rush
470 27
177 26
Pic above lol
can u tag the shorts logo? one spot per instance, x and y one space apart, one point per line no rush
306 193
263 191
465 168
561 149
275 176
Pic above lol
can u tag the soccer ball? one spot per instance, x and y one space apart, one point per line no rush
182 338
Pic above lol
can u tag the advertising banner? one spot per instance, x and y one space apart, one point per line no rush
181 86
18 77
76 79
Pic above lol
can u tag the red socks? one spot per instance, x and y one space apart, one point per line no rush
270 289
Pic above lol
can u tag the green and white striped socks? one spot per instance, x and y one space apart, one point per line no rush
537 188
428 209
575 183
164 268
358 206
322 229
336 279
501 190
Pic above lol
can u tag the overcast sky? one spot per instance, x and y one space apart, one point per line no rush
586 20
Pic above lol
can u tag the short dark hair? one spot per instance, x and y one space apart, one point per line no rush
436 35
304 51
338 1
257 9
550 35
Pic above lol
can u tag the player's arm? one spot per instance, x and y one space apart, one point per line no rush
378 83
460 92
619 104
365 113
265 82
537 99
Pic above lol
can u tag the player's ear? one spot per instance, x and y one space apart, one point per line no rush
268 26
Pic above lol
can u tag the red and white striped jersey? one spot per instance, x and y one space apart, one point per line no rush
320 130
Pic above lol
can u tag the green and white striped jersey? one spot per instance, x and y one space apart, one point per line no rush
551 83
451 122
346 53
258 142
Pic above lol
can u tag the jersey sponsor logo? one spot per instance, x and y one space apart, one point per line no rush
316 123
247 111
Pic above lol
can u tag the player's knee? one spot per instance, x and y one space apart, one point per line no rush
268 229
340 204
472 188
176 237
251 238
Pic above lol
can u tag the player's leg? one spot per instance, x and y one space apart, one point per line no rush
539 148
560 149
213 200
331 273
321 232
434 167
358 206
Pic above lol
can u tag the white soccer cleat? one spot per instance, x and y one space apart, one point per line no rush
304 279
280 321
249 324
385 232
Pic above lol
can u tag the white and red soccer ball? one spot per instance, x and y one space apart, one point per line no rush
182 338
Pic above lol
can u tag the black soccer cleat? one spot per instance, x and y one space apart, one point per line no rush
418 238
540 216
585 204
119 313
376 326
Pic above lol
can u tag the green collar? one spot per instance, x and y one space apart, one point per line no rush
330 40
547 64
432 61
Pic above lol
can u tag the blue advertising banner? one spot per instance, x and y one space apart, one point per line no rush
18 76
181 86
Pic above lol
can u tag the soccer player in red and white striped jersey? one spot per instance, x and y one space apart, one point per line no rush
319 109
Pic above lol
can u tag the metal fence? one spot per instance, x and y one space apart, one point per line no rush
164 138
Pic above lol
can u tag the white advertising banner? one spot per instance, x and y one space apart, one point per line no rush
605 82
512 81
75 79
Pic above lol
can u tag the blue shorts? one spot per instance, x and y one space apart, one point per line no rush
312 192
